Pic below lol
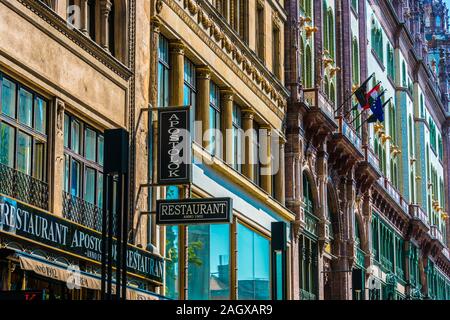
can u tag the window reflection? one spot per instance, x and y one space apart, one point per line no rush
209 263
253 265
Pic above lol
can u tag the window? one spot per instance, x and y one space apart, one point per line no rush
355 5
260 48
91 16
209 262
253 259
214 120
237 138
83 162
239 18
276 51
330 18
23 129
308 67
355 61
390 62
163 72
404 80
171 279
190 91
377 40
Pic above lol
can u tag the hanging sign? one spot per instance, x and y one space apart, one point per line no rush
194 211
174 147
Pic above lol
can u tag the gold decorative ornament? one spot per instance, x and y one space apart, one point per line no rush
334 70
303 20
310 30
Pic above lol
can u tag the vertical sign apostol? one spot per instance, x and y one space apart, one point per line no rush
174 147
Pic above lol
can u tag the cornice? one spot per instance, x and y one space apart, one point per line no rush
76 36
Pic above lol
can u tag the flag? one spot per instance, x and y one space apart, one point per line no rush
372 96
361 92
377 111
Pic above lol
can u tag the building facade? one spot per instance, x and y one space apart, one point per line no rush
370 199
224 59
274 126
67 73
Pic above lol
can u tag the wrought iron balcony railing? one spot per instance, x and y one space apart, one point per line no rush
371 157
347 131
315 98
306 295
23 187
394 193
417 213
436 234
82 212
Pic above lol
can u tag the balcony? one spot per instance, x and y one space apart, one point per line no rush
417 213
311 222
348 132
394 193
23 187
319 116
446 253
316 99
436 234
82 212
372 159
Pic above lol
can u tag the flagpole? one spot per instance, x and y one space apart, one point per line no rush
353 93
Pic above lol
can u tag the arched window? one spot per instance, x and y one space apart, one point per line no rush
355 61
390 62
308 67
332 93
331 32
410 134
392 122
307 195
325 28
438 22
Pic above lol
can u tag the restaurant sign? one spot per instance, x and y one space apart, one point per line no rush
174 154
194 211
18 219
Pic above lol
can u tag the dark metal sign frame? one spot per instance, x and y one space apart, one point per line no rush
179 208
173 147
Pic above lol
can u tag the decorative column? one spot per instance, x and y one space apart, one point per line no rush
202 110
266 160
105 9
56 188
177 73
280 175
227 96
248 168
84 17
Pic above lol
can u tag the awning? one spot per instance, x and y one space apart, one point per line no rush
59 273
73 278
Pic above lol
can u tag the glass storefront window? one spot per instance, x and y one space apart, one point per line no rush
253 265
209 262
172 289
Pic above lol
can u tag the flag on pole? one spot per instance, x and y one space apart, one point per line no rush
361 92
372 96
377 111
